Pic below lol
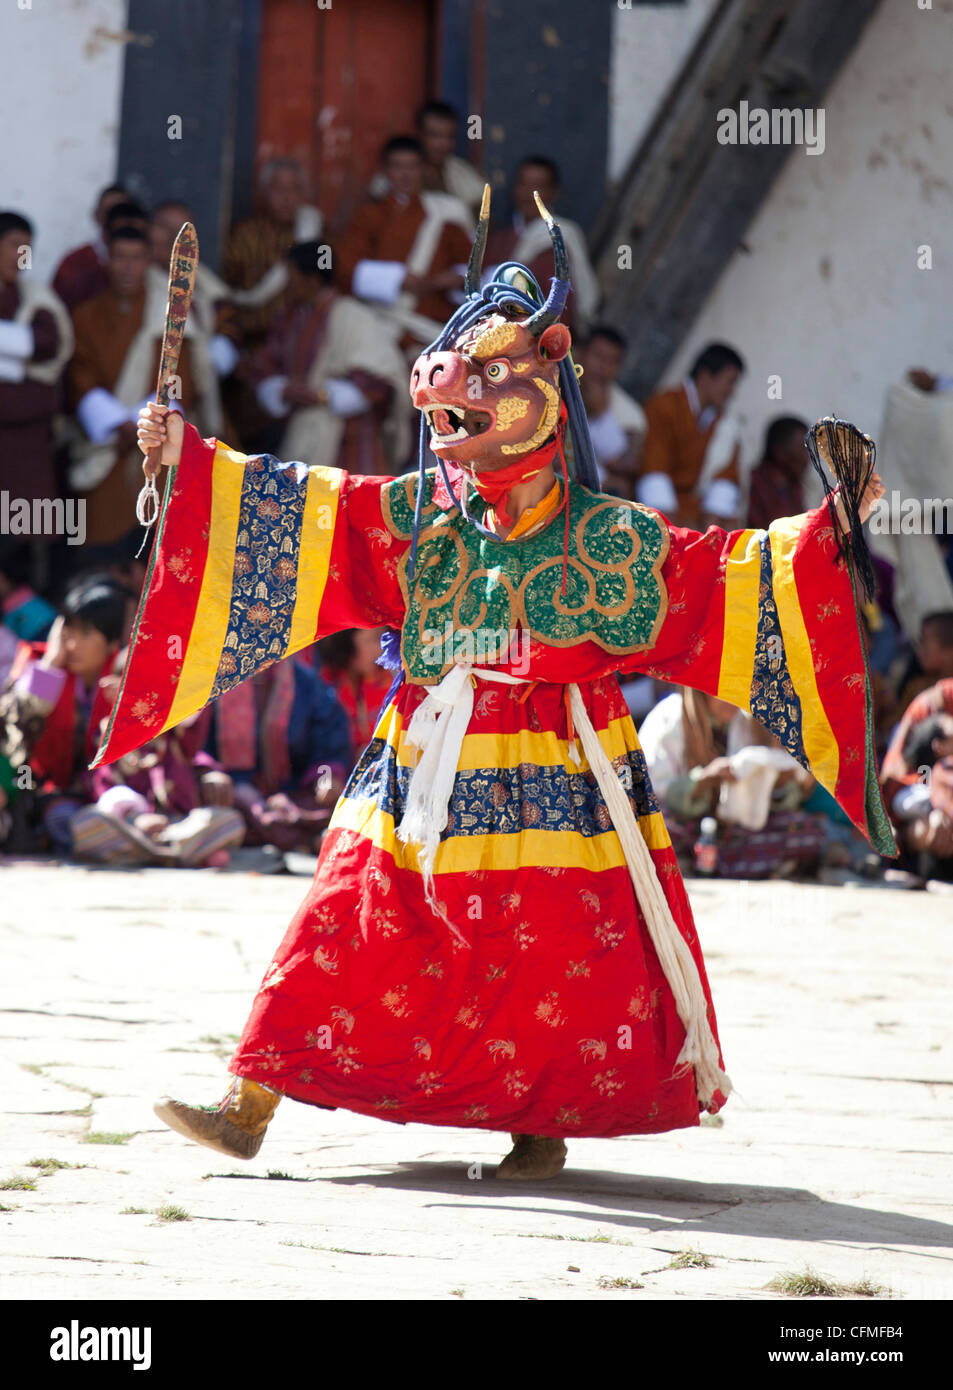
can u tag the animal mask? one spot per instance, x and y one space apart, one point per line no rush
490 387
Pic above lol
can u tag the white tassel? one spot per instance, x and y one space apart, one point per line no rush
699 1050
436 729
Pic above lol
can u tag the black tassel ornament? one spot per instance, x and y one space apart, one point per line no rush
852 456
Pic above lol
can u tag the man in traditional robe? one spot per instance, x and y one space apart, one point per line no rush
691 455
496 889
437 125
254 257
118 340
331 381
36 339
82 272
525 239
403 255
616 421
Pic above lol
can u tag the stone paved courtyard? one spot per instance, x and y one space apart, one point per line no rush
834 1151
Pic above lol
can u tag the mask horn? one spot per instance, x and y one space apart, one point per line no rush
471 284
559 287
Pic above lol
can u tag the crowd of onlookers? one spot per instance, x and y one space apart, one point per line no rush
300 346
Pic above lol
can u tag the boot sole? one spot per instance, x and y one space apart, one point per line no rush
213 1130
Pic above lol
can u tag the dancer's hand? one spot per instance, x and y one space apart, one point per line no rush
827 430
160 427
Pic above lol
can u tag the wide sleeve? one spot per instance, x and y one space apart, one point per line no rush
769 620
253 560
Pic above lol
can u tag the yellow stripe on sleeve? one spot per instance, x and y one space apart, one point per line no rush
211 615
742 581
314 553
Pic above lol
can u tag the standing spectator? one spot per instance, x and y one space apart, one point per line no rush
332 379
254 258
36 339
118 339
777 483
616 421
693 444
402 254
210 309
81 274
444 171
525 239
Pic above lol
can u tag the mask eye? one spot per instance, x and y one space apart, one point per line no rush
497 371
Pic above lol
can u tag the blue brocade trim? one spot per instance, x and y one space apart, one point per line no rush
774 702
264 581
506 800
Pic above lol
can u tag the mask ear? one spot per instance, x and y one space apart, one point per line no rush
554 342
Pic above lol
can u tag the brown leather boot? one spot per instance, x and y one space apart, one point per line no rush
533 1156
236 1127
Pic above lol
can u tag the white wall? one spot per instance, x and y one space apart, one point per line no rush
59 115
649 45
828 294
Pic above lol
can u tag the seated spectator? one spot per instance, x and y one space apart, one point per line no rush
279 749
36 339
113 371
525 239
705 757
691 448
24 615
918 778
776 487
933 657
81 274
404 255
147 807
349 664
897 771
616 421
333 383
51 712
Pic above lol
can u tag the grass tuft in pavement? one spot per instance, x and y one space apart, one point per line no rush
134 1211
47 1166
690 1259
807 1283
172 1213
5 1208
100 1136
18 1184
606 1283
